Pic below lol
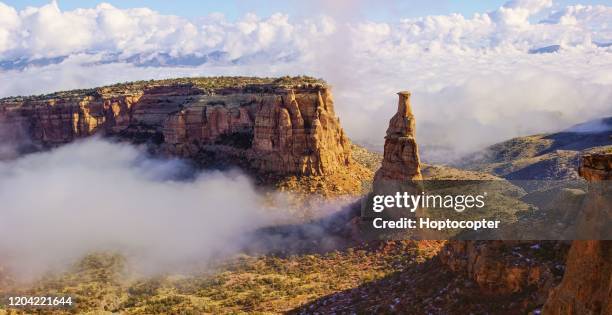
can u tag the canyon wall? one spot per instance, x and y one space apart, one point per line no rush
586 287
534 271
272 126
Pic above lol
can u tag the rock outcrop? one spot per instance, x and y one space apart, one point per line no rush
507 267
401 156
596 167
578 281
399 172
273 126
586 287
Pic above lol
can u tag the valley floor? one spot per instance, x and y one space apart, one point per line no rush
380 277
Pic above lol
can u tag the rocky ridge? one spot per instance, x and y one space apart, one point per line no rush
553 156
284 126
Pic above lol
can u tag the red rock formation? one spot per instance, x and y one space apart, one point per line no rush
400 170
52 121
276 128
508 267
596 167
499 268
401 156
586 287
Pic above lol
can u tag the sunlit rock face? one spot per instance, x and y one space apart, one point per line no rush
274 126
587 284
400 168
401 157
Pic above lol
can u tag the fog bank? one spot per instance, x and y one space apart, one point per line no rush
95 195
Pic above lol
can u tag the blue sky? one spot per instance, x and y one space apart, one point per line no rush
372 10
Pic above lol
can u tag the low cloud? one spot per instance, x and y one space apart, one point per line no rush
95 195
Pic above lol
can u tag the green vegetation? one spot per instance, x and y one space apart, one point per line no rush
365 157
251 284
204 83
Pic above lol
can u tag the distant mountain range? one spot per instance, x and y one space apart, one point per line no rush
556 48
164 59
150 59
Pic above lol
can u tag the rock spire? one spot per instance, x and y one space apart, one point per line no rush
401 157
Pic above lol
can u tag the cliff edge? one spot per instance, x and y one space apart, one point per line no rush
282 126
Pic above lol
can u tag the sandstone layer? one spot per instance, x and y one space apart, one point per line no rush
273 126
586 287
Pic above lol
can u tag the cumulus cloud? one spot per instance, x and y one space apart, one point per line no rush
97 195
47 32
517 12
474 80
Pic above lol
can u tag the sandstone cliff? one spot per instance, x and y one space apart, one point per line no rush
586 287
274 126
